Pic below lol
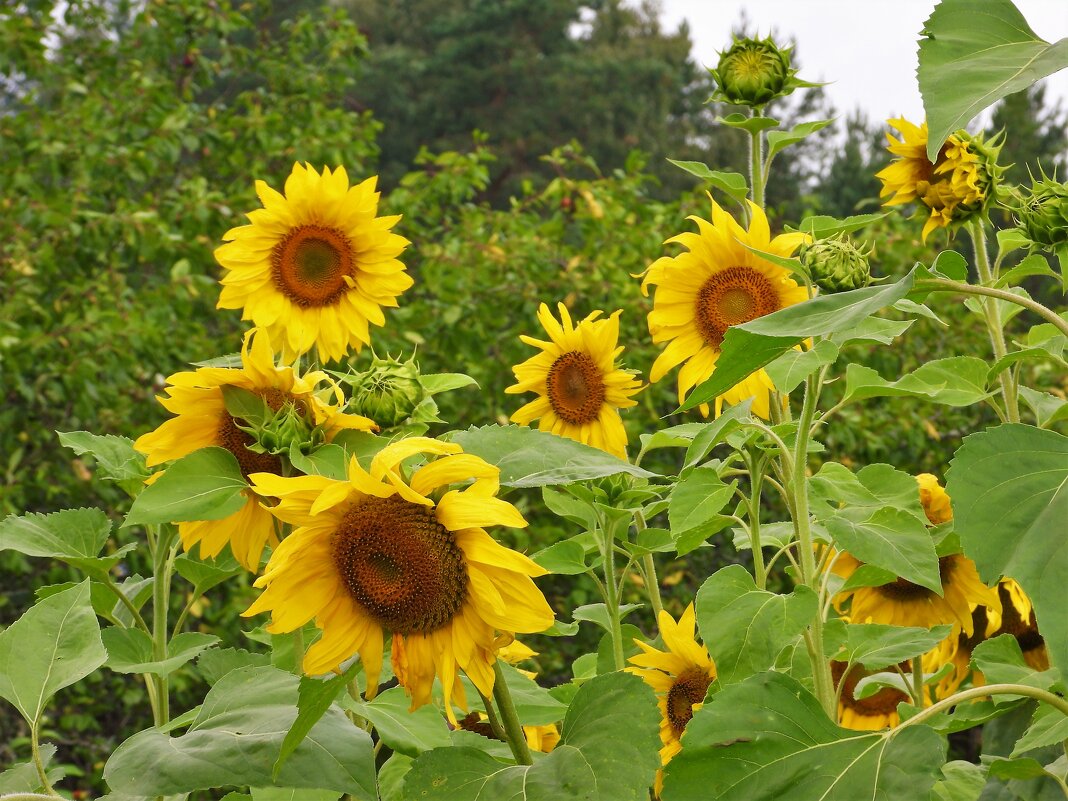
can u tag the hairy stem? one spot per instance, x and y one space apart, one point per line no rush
612 592
649 569
1044 696
494 719
161 590
38 763
993 320
516 739
756 165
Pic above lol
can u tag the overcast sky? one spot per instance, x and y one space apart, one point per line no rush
866 47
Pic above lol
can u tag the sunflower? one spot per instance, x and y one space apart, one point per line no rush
316 266
903 603
950 189
201 420
580 389
875 712
680 677
1018 619
956 649
374 553
718 283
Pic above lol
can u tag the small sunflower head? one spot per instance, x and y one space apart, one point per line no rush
836 265
288 428
388 391
752 72
1042 215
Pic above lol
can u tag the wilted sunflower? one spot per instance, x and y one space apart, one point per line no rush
374 554
196 398
718 283
1018 619
877 711
316 266
580 388
951 189
680 677
903 603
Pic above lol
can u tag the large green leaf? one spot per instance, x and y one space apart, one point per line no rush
695 505
74 536
956 381
314 697
752 345
236 738
973 55
1009 486
130 650
607 752
116 458
891 539
732 183
408 732
746 628
53 645
768 739
877 646
874 486
531 458
205 485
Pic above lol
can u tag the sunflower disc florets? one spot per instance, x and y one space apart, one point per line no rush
1042 215
752 72
388 391
836 265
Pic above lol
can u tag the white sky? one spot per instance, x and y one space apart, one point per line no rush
866 47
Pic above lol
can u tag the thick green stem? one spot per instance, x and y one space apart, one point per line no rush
993 321
756 165
821 669
125 601
612 591
161 591
1044 696
28 797
760 573
917 682
649 569
943 285
38 763
494 719
514 731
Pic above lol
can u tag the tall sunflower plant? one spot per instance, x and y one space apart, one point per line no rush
863 613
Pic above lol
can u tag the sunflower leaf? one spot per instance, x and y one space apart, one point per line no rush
205 485
607 752
732 183
780 140
877 646
822 226
314 697
748 347
889 538
954 381
745 628
116 459
1009 486
768 738
972 56
74 536
236 738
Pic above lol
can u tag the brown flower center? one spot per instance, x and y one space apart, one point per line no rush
474 722
883 702
732 297
689 689
576 388
400 564
902 590
237 441
310 265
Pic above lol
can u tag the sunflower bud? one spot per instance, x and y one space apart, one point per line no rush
287 428
752 72
388 392
836 265
1042 215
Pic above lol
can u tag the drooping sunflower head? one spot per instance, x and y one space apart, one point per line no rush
875 712
1018 619
580 388
387 552
315 266
934 500
718 282
953 189
956 649
202 420
680 677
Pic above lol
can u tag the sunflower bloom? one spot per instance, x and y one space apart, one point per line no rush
951 189
315 266
718 283
1018 619
878 711
956 649
201 420
903 603
374 554
580 389
680 677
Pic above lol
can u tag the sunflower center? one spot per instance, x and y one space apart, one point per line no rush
237 441
732 297
400 564
310 264
575 388
689 689
902 590
474 722
883 702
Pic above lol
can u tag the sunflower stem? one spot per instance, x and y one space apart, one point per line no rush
38 763
1043 696
649 568
516 739
756 164
611 586
917 682
756 475
161 590
821 669
494 719
993 320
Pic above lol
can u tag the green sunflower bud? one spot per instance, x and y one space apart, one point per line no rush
388 392
752 72
287 428
1042 215
836 265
